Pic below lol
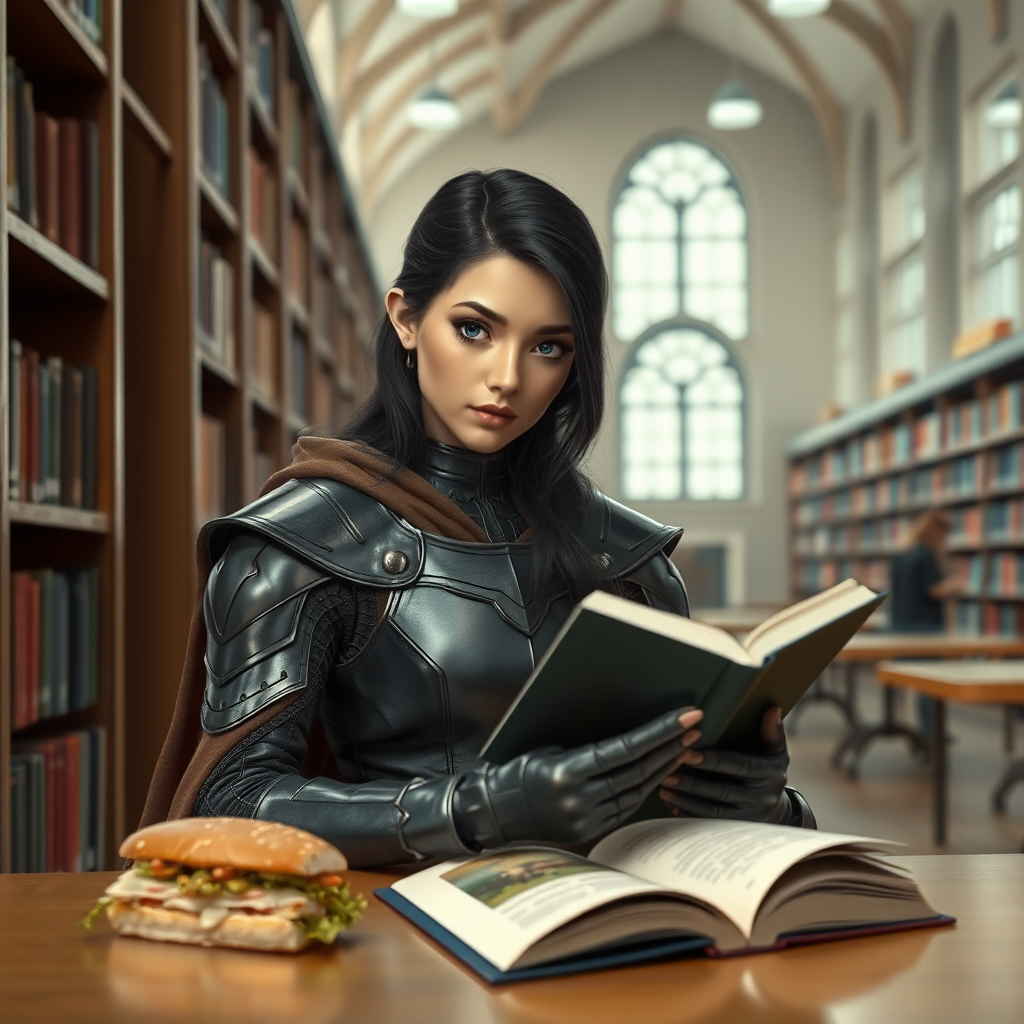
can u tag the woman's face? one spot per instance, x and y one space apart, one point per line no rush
490 354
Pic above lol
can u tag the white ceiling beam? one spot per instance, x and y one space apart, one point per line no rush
377 171
997 19
523 18
899 25
395 104
533 85
823 100
879 45
350 50
499 33
371 77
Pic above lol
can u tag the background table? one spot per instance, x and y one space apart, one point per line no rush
874 647
386 972
969 682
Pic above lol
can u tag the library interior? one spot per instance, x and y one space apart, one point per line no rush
261 558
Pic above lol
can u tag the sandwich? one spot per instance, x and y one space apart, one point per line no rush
230 882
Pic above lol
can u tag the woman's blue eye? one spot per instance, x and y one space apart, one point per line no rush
549 348
471 331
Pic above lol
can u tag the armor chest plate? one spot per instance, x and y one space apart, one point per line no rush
448 657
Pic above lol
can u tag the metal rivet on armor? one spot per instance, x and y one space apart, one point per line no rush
394 562
605 560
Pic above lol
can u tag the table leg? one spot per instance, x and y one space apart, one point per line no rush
940 773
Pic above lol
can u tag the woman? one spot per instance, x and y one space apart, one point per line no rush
393 588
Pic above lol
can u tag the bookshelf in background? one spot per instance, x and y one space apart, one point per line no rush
62 501
954 440
232 225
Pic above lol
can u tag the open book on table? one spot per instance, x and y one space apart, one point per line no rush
657 889
616 664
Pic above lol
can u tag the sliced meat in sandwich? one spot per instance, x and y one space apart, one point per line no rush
230 882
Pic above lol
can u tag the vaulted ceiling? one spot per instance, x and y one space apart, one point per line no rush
496 57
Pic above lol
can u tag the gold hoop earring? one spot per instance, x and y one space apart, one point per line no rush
408 360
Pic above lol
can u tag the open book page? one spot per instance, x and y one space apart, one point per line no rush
730 865
804 618
500 904
676 627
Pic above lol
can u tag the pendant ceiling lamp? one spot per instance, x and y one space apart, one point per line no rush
434 109
427 8
797 8
734 107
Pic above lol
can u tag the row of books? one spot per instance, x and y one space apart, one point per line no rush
263 203
213 468
1006 574
297 147
56 637
264 464
928 435
261 57
58 802
214 137
300 376
88 14
889 534
53 171
298 262
970 569
813 577
264 352
52 431
216 305
990 618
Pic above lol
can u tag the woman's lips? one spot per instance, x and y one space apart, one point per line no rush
493 415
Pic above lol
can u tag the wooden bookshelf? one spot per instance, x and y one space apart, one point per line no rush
63 308
141 318
953 440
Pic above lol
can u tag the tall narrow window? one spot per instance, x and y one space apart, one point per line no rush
997 208
868 247
682 418
905 344
679 242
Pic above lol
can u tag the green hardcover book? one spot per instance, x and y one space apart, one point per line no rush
46 659
60 640
616 664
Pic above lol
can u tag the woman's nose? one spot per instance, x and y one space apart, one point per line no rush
503 370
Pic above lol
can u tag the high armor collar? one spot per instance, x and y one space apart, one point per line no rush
480 484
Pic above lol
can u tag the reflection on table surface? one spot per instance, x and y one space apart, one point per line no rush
387 972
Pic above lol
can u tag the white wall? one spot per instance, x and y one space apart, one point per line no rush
581 136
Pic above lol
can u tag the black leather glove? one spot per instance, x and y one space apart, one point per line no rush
722 784
571 796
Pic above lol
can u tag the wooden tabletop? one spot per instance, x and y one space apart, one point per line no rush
386 972
877 646
971 682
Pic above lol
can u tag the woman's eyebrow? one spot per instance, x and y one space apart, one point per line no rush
498 318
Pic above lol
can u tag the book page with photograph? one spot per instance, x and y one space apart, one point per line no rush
502 904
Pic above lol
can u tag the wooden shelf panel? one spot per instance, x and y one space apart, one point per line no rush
266 406
223 373
266 135
298 194
38 264
58 517
299 314
47 41
263 264
225 51
154 133
217 211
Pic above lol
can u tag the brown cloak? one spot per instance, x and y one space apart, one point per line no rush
189 755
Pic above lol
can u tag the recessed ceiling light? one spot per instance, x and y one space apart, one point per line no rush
427 8
797 8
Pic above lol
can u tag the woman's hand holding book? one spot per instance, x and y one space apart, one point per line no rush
723 784
572 796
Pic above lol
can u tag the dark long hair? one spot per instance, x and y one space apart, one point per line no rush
473 217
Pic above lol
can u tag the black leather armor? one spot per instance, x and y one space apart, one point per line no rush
407 699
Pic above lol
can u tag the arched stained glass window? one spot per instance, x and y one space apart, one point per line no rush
681 407
679 242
